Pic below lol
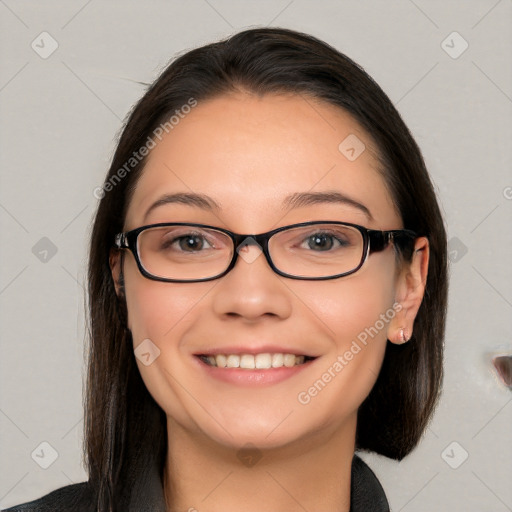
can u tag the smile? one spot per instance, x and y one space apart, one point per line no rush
264 361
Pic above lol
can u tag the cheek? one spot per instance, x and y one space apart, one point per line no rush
162 313
352 305
355 313
158 310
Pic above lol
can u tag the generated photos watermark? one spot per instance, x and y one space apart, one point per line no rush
143 151
342 360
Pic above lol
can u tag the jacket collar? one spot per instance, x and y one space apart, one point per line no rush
366 493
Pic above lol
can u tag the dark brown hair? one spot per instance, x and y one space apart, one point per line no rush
124 427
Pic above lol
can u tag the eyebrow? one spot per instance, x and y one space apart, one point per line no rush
309 198
297 200
190 199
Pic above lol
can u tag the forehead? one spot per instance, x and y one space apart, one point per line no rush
249 153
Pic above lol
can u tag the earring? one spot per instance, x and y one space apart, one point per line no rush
403 335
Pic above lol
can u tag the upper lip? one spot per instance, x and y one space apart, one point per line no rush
262 349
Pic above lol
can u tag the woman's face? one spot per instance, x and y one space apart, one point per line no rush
248 155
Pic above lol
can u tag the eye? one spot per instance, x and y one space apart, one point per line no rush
325 241
190 242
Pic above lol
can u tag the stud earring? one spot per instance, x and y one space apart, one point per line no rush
403 335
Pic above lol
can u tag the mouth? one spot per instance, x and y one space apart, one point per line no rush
263 361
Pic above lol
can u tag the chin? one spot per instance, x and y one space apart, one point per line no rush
265 432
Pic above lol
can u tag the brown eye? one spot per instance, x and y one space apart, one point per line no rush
188 242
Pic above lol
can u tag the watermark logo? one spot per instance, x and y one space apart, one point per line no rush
247 255
351 147
44 45
44 250
146 352
249 455
454 45
454 455
456 249
44 455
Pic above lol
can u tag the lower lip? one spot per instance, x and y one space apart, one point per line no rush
252 377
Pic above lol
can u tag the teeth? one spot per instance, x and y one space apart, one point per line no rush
277 360
289 360
263 361
249 362
221 360
233 361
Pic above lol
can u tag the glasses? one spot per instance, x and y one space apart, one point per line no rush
185 252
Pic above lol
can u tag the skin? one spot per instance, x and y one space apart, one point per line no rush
248 153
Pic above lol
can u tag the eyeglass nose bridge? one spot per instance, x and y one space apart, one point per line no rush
241 241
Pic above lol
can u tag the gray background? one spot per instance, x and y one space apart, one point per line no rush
59 119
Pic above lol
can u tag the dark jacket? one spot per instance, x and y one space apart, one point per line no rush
366 495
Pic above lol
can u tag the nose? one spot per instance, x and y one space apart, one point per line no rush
252 290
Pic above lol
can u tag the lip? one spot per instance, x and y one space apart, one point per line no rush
255 377
253 350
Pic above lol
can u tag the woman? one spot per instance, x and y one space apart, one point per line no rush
267 289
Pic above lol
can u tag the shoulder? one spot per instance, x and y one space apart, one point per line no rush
76 497
366 492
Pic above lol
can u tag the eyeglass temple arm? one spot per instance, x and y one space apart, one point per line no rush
379 240
120 241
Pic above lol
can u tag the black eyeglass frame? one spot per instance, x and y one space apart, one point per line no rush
373 240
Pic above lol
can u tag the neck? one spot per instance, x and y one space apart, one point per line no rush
310 474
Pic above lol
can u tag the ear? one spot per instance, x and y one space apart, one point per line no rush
410 290
115 261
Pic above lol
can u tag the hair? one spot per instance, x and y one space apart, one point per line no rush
124 426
